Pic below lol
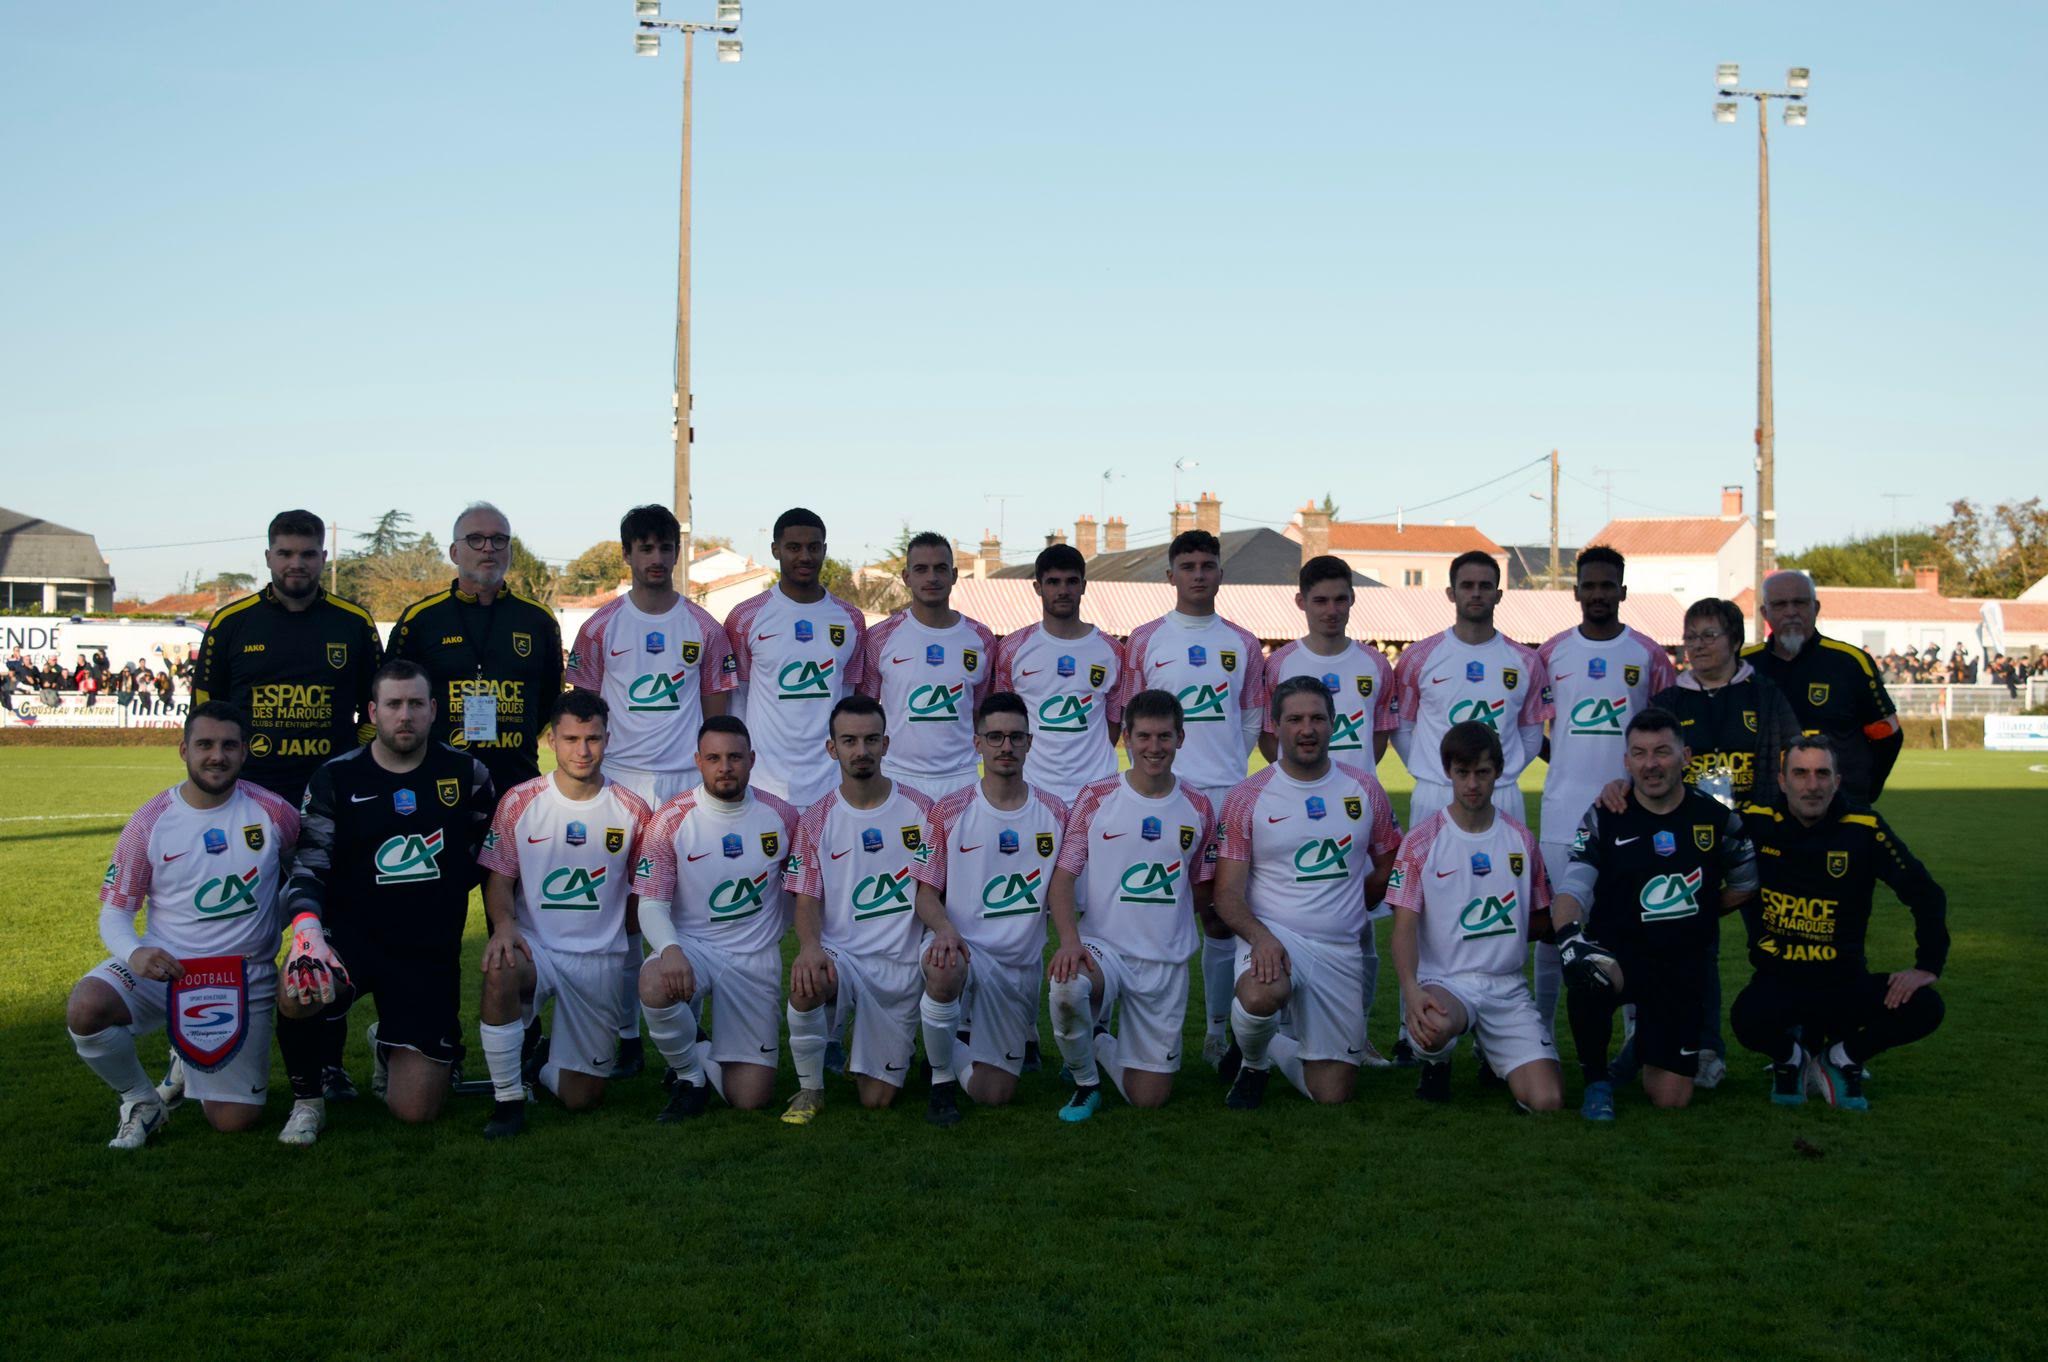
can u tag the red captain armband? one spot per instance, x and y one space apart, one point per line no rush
1879 731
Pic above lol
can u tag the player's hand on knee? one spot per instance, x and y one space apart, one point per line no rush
1905 984
673 976
811 974
1067 962
1269 960
946 951
312 968
505 949
149 962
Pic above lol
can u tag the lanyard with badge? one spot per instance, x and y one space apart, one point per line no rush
480 706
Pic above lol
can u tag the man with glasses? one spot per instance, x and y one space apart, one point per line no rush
1832 686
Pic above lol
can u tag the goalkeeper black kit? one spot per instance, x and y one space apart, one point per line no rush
1836 691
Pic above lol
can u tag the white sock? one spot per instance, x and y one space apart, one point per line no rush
1285 1052
674 1032
111 1055
1838 1055
629 989
714 1072
941 1020
807 1036
963 1065
1105 1062
1254 1033
501 1053
1219 979
1549 982
1797 1054
550 1077
1073 1018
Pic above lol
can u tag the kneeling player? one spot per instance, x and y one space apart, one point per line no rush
1472 884
204 858
1307 842
1142 838
1656 878
989 854
856 928
714 908
560 856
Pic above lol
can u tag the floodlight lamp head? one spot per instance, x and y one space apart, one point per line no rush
646 44
1724 112
1728 75
1795 115
646 9
728 49
729 13
1797 78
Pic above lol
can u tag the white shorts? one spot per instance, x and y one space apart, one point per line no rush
1154 997
883 994
1327 1011
1000 1010
1434 796
656 787
246 1077
745 993
1501 1013
584 1036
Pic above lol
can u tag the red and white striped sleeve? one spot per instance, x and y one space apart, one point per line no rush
739 624
1205 858
657 883
871 647
1536 693
1662 673
1132 679
1383 829
284 817
126 883
587 654
804 875
1001 675
1539 874
1238 807
1074 844
717 670
857 661
637 813
1256 690
501 844
1113 702
1404 885
1408 680
987 670
1274 662
938 831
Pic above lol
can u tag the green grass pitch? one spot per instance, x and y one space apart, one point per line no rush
1383 1228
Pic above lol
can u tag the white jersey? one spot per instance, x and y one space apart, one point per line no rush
1475 892
654 672
1072 688
1310 846
994 868
794 662
1143 859
1596 687
1442 681
720 869
1217 670
1361 686
574 861
928 681
857 863
209 877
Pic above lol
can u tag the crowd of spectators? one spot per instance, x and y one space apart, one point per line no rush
1960 668
144 686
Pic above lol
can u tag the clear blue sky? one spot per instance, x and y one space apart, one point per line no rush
399 254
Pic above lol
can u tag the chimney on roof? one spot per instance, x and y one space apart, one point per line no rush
1315 531
1055 537
1115 535
991 552
1731 503
1209 513
1181 521
1084 536
1927 579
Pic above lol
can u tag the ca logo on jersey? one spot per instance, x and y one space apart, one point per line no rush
1203 704
1322 859
1670 896
742 897
1345 732
1065 713
1151 883
656 692
228 896
1487 712
936 704
1396 878
1489 915
881 895
806 680
409 858
1599 717
1009 895
573 887
113 873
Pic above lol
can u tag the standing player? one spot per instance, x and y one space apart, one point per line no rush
1138 838
990 853
1650 884
205 858
386 859
1307 843
1357 675
1814 1007
856 927
798 651
713 907
1069 675
1834 687
1601 674
1469 892
929 666
560 855
1216 670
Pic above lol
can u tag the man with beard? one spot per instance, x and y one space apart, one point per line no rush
929 665
1833 686
1069 674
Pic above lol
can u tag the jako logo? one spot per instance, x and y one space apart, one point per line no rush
1065 714
573 887
1487 712
229 896
739 898
1008 895
1322 859
1203 704
1493 915
1151 883
881 895
937 704
409 858
1669 896
1600 716
806 680
656 692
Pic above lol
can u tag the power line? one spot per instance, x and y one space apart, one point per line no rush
187 544
1423 506
1610 492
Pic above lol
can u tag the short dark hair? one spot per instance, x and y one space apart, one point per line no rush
221 711
580 704
1193 541
654 522
1324 567
1815 742
299 524
725 723
1468 742
1655 719
797 516
1471 556
1721 612
856 704
1602 553
1302 685
400 669
1000 702
1154 704
927 539
1058 558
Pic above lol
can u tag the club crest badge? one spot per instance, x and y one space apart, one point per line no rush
1097 674
771 842
1365 688
449 791
615 840
837 633
1515 862
913 837
1228 657
1187 837
522 643
337 655
970 658
1354 807
1045 844
1817 693
1510 677
252 835
1703 836
691 652
1838 863
1631 673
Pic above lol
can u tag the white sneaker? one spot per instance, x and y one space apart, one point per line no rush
303 1126
1712 1070
1371 1058
171 1092
380 1068
140 1121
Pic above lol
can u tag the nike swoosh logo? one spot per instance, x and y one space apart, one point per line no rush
535 841
1624 841
170 856
1033 672
1172 1057
767 1049
696 856
1686 1054
899 661
620 652
360 799
1112 836
1438 680
976 847
1014 1059
837 854
1167 663
1559 676
1445 874
1351 1049
763 638
1281 819
893 1068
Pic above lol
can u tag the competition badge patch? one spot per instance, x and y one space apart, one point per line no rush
1475 671
1510 677
215 841
804 631
1664 844
655 643
837 633
1097 674
614 840
1354 807
912 836
771 842
207 1012
1198 656
691 652
577 835
252 835
1150 829
1703 836
522 643
1316 807
731 846
1817 693
1064 665
405 801
1228 657
1330 682
1045 844
1482 864
449 791
870 840
934 654
1838 863
1006 842
1515 862
1631 673
1597 668
337 655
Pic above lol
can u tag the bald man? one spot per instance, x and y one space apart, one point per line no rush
1835 688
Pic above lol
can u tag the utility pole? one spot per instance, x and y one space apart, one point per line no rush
1895 498
1556 567
334 554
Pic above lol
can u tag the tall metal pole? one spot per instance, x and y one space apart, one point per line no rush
1766 469
683 403
1556 568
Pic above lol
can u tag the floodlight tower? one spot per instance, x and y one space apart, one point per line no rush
1727 80
647 43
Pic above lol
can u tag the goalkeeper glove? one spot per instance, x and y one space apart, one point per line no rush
1585 962
312 971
